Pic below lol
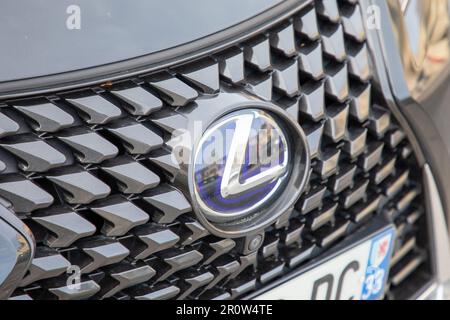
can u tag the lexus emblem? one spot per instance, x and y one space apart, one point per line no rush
249 167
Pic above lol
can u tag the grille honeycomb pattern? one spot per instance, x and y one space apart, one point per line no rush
89 171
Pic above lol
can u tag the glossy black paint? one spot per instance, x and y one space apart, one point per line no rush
36 40
191 48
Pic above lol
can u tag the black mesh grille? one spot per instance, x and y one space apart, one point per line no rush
89 172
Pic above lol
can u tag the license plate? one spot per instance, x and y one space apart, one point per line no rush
359 273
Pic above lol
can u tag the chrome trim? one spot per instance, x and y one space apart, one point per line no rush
428 292
17 246
436 292
425 138
440 241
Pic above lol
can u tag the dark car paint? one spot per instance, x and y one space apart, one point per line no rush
36 40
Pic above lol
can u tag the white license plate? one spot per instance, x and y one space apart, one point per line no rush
359 273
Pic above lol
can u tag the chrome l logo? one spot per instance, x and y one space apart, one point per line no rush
241 163
232 183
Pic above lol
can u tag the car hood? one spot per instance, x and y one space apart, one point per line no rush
45 37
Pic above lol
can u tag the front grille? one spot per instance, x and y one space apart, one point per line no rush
89 170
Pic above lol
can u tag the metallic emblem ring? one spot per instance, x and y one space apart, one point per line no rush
234 196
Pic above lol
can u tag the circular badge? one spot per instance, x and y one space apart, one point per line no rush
248 168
